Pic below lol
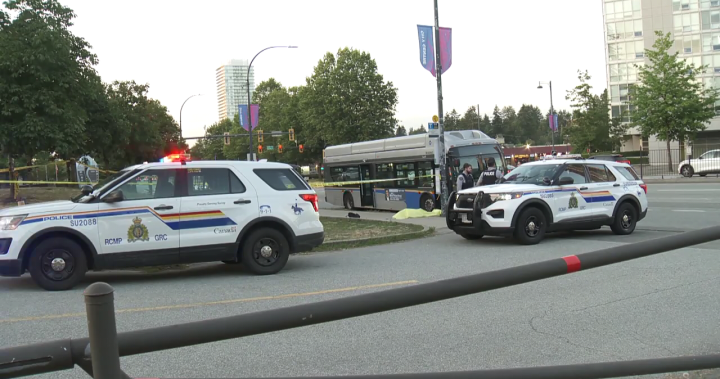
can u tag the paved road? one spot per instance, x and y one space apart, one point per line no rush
658 306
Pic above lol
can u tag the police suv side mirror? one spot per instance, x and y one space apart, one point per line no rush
86 189
114 197
565 180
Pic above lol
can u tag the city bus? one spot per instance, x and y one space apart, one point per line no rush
401 172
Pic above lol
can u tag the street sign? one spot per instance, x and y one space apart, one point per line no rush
433 129
277 133
435 118
271 148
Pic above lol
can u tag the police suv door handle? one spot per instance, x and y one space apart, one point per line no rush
583 188
242 201
616 185
163 207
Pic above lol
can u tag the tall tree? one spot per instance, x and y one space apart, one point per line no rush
45 71
400 131
591 118
669 101
486 126
347 100
420 130
452 120
529 124
497 123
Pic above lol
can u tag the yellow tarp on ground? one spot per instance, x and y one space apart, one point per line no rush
415 213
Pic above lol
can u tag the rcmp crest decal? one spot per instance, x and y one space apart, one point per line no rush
573 203
138 231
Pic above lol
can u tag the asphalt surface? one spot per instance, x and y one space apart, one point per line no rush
659 306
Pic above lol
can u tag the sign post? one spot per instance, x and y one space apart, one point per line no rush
441 130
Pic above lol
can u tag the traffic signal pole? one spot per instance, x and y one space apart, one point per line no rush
441 129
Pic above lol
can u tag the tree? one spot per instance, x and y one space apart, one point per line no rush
420 130
670 102
529 125
497 123
212 148
346 100
452 121
591 118
486 126
400 131
45 71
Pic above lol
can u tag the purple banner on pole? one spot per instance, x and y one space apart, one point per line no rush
553 119
427 51
243 117
445 48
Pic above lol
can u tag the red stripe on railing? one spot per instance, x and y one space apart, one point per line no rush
573 263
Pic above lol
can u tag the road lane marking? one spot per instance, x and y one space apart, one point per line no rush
218 302
690 190
688 210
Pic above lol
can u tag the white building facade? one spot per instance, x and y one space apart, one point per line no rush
231 81
630 27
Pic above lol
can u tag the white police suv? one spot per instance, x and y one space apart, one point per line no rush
165 213
556 194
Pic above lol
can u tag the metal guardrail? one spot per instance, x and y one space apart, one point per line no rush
99 354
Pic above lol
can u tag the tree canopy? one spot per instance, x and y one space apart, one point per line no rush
54 101
669 100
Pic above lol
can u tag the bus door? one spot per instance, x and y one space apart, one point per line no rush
367 197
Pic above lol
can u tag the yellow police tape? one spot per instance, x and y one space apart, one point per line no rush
334 184
74 183
45 165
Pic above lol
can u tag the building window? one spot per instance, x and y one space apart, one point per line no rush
708 4
685 5
623 72
621 93
710 42
689 44
712 61
624 29
689 22
710 20
616 10
625 50
622 112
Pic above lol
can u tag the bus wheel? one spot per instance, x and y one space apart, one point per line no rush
348 201
427 203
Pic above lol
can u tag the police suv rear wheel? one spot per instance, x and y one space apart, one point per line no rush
57 264
625 220
265 252
530 227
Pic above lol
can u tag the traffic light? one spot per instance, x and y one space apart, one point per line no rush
291 133
260 149
227 138
300 148
280 149
260 136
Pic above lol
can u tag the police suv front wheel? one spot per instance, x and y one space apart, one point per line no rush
625 220
265 252
530 227
57 264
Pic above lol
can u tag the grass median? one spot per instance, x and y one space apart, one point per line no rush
34 195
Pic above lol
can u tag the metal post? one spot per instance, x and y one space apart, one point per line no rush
552 114
181 109
441 128
250 152
104 353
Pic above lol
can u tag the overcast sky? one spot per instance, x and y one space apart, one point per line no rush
501 48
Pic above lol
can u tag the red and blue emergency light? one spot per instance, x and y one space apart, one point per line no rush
176 158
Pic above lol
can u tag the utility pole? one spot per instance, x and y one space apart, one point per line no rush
441 129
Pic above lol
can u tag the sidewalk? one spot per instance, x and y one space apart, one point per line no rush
673 179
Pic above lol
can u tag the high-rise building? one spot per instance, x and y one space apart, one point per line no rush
231 81
630 27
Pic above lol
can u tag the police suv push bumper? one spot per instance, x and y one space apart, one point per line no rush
468 220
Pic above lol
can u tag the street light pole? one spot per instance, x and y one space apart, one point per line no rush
552 113
181 108
249 101
441 127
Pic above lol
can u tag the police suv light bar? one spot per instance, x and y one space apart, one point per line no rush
566 156
176 158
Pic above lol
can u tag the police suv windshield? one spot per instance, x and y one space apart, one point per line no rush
531 174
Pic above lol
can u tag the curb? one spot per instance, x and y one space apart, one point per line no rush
419 233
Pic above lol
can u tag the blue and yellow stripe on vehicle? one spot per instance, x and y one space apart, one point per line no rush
175 221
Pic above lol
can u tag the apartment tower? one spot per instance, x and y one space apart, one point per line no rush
231 81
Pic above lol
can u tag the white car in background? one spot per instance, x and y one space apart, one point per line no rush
708 163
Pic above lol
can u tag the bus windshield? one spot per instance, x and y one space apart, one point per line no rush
477 156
